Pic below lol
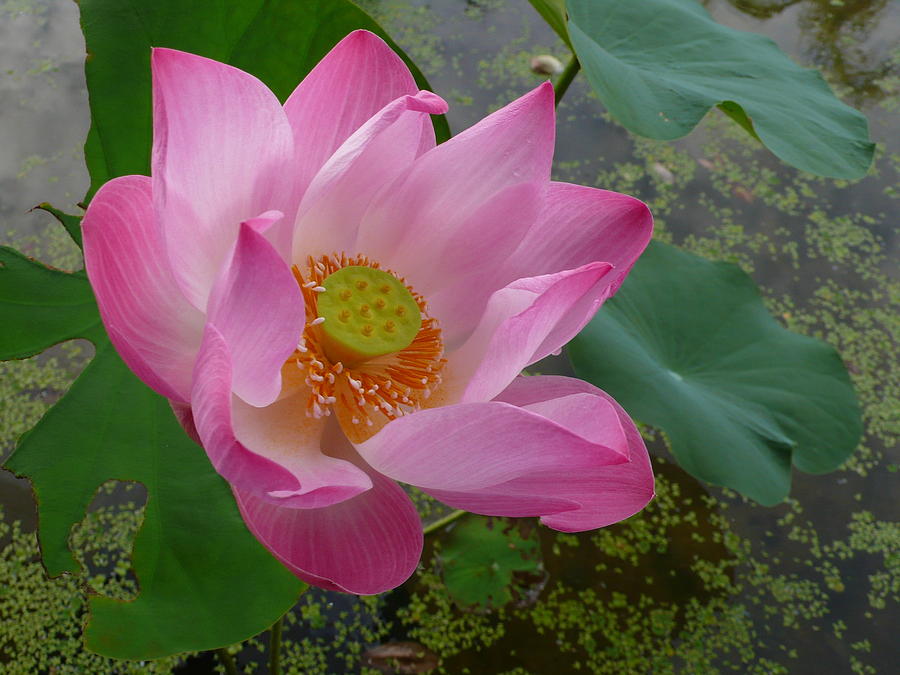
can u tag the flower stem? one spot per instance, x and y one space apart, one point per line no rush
227 661
568 74
275 647
446 520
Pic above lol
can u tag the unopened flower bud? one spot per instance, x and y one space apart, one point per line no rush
544 64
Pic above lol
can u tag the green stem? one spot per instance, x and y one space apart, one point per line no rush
275 647
227 661
446 520
568 74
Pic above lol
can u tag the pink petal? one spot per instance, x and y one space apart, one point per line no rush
524 322
273 452
258 308
155 330
185 417
569 500
283 433
365 545
470 446
460 286
355 80
222 153
579 225
409 227
378 152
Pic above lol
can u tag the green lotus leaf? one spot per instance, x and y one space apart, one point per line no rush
279 41
42 306
71 223
687 345
204 579
660 65
480 556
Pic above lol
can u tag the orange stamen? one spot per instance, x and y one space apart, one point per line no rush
367 395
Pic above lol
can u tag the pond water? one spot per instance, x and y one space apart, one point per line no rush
702 581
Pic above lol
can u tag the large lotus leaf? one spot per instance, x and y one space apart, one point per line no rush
279 41
204 579
688 346
71 223
660 65
480 556
41 306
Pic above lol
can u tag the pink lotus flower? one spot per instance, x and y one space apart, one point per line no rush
332 303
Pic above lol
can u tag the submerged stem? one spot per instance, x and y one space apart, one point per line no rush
446 520
568 74
275 647
227 661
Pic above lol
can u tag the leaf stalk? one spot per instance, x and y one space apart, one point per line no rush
565 79
446 520
275 647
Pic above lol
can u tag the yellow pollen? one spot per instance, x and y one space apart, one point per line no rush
365 392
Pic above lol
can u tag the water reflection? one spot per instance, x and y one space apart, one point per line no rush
835 36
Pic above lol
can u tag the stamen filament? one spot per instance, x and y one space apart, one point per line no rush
368 394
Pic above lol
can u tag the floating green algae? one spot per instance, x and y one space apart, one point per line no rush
41 619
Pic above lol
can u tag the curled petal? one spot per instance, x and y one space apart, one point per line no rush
274 452
578 225
378 152
257 307
524 322
460 284
409 226
355 80
557 227
470 446
185 417
222 153
153 327
365 545
568 500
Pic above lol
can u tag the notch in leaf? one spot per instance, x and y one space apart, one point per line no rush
660 65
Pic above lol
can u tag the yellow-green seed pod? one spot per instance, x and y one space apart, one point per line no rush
367 313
